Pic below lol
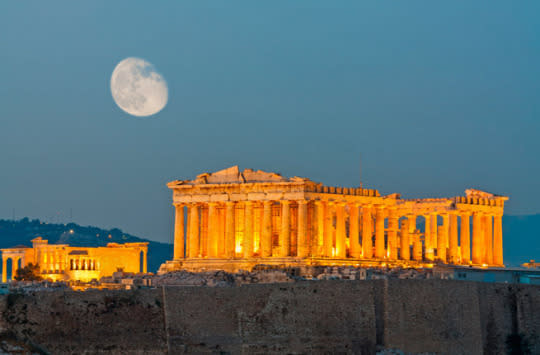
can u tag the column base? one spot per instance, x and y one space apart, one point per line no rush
235 265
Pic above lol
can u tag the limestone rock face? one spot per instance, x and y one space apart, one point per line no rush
348 317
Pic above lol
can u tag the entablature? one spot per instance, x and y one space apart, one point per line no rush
231 185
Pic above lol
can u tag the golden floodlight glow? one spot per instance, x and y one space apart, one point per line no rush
269 219
61 262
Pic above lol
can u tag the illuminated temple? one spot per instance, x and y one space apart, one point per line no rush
233 220
61 262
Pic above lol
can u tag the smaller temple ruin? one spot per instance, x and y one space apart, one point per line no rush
61 262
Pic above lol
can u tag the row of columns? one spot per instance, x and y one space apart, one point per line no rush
83 264
451 241
328 223
214 233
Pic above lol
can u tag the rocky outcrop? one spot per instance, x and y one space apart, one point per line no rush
437 316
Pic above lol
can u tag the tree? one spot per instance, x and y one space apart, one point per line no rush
28 273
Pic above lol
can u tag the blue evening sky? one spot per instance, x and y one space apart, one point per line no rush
436 97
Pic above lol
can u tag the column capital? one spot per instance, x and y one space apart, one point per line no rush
267 202
248 203
304 202
285 202
230 203
464 213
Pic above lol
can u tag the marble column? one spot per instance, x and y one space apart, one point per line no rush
266 230
247 242
442 234
328 237
317 248
414 238
417 247
453 255
230 230
302 244
145 263
179 232
212 230
4 269
341 233
194 246
379 232
478 239
15 267
488 239
285 233
393 227
221 234
497 240
367 244
434 230
465 238
405 251
354 237
429 244
442 238
312 229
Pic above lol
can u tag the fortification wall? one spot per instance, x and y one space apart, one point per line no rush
449 317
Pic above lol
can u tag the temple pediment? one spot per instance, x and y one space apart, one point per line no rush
478 193
233 175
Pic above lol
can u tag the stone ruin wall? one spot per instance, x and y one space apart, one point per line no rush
440 316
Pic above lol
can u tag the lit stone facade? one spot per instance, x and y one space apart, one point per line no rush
235 220
61 262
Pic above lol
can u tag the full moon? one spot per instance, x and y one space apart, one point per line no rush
138 88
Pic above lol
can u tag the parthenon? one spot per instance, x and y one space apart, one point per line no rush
235 220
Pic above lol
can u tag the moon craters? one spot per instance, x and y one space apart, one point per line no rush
137 88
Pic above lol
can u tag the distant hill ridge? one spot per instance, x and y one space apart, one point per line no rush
521 238
21 232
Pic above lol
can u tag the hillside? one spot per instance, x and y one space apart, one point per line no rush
21 232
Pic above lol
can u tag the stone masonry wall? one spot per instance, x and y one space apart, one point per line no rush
447 317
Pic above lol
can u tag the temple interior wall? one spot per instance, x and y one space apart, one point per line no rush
114 258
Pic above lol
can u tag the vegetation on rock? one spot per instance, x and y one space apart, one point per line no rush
28 273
